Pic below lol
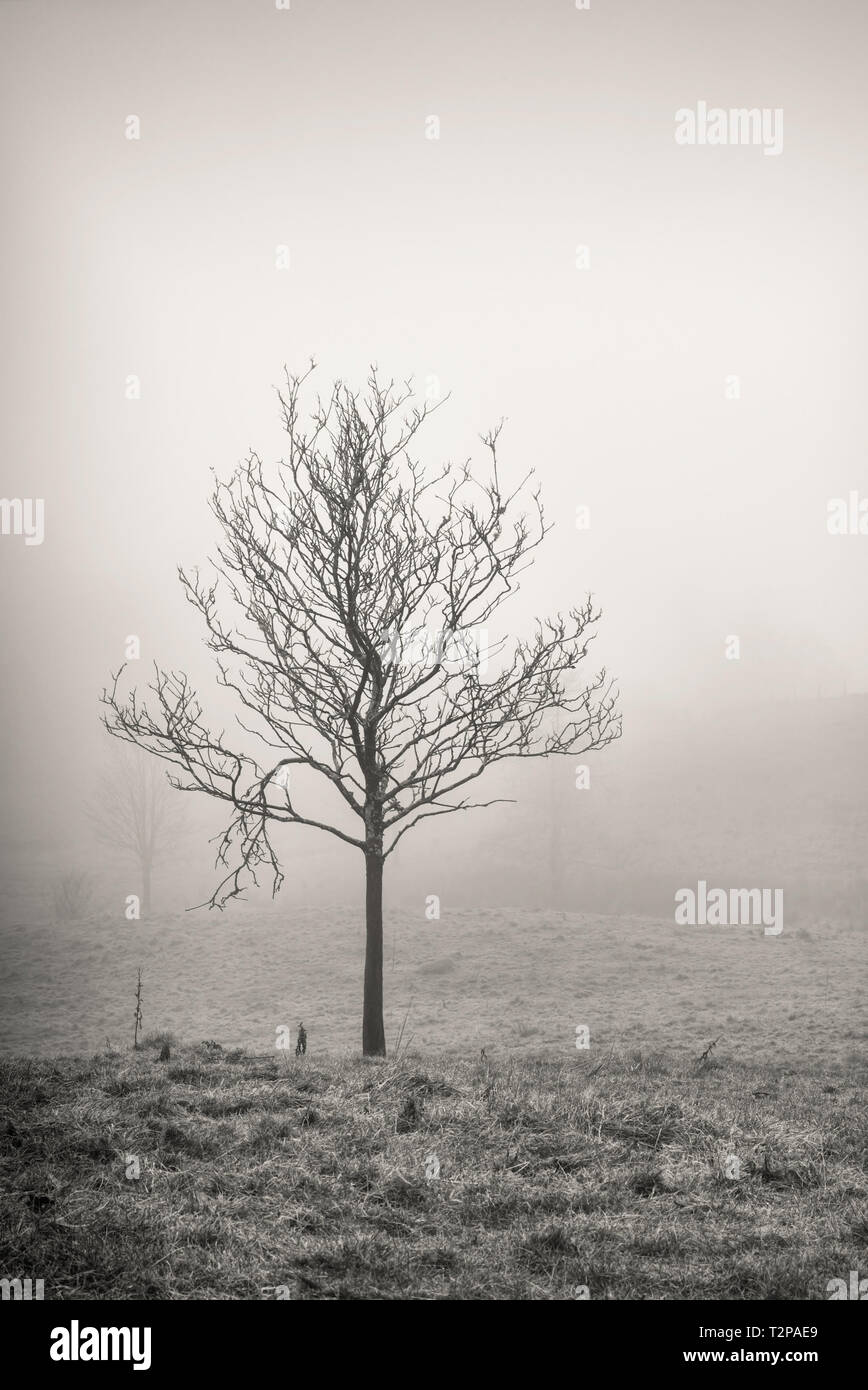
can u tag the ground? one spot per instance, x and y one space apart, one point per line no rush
513 982
220 1174
630 1168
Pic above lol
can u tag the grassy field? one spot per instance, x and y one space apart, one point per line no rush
631 1170
510 981
219 1174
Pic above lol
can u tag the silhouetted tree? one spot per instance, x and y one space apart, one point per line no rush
362 588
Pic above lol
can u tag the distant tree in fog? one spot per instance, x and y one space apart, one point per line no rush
137 813
361 589
72 896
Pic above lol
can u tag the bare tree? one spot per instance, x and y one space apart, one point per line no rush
137 812
363 588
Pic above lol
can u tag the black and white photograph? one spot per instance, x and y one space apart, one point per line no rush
434 543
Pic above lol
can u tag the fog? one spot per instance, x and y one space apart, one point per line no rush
453 261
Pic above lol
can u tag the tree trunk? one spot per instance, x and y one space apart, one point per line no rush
146 890
556 772
373 1031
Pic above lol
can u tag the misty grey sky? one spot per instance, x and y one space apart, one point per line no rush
452 258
